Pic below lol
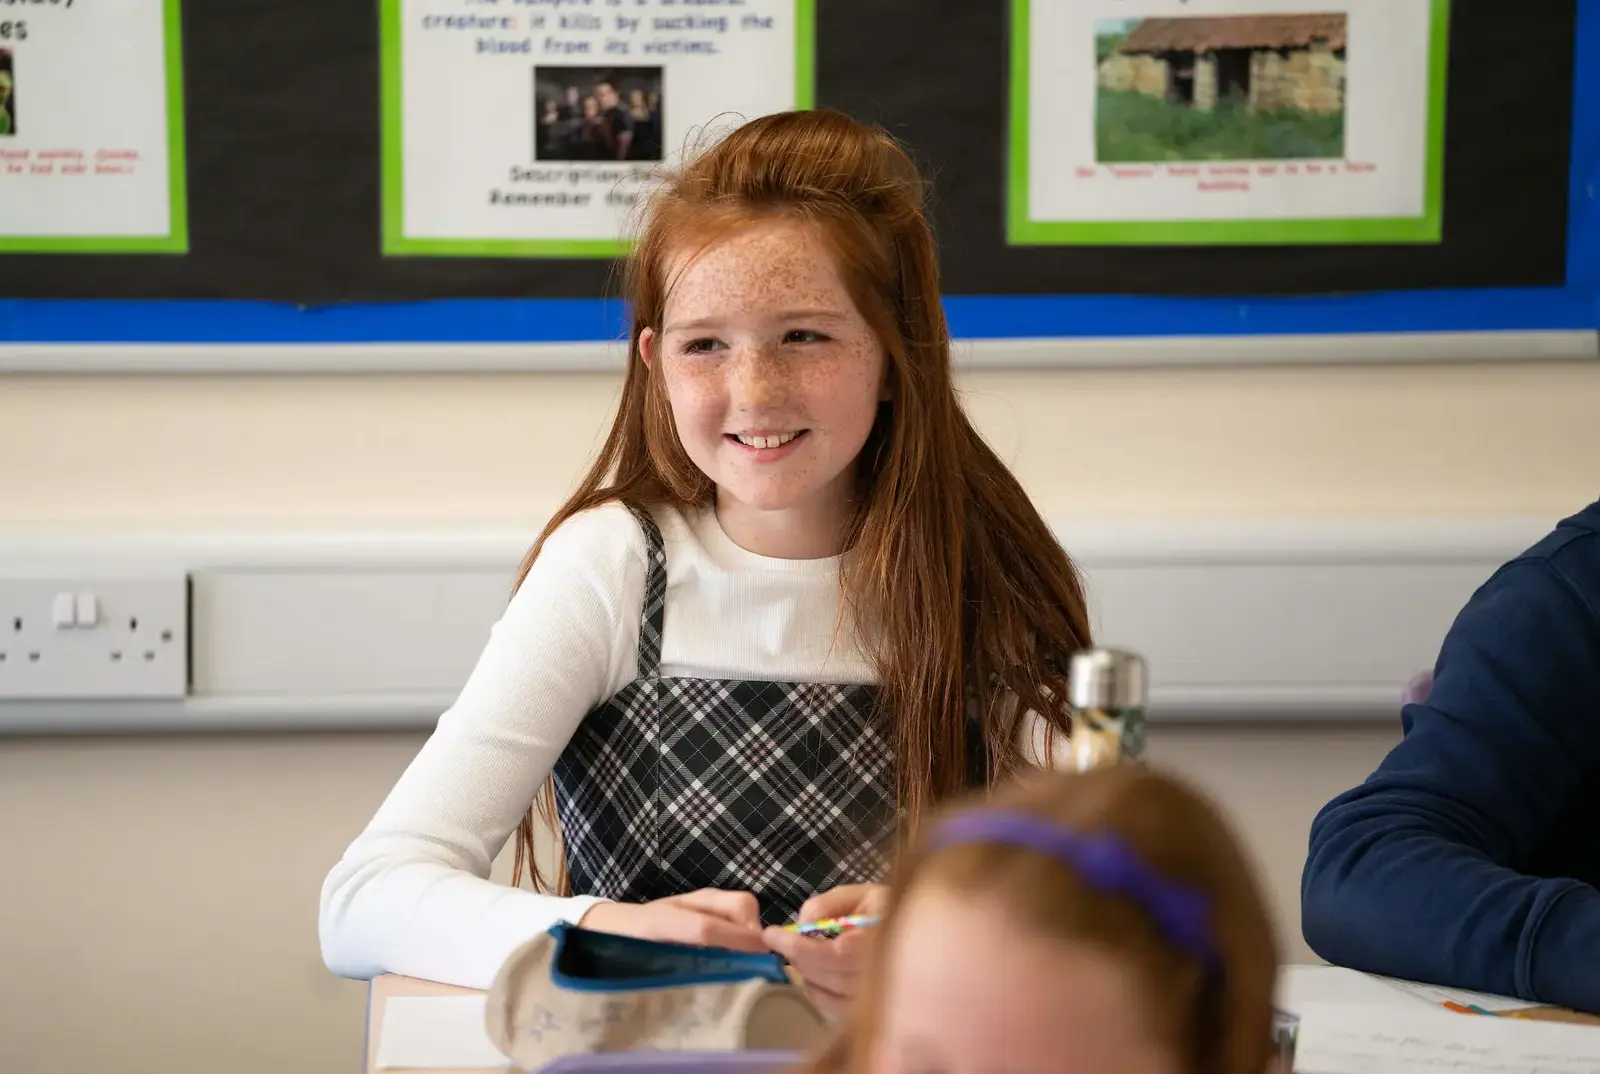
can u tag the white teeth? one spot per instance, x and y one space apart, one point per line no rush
765 441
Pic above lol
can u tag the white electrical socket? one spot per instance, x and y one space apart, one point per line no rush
103 638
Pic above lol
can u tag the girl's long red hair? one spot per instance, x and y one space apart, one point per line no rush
961 594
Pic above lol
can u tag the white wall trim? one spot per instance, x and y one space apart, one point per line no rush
1264 350
981 354
290 714
1278 620
1278 540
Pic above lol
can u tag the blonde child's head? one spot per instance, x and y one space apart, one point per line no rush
1096 923
789 358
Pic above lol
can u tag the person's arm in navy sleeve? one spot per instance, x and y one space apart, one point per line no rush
1416 873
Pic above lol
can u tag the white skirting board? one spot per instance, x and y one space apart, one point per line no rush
1275 620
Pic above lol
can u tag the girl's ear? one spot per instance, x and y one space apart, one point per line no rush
647 345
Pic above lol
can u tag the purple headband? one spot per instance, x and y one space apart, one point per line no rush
1103 861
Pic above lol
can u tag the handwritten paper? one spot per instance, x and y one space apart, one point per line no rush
1360 1039
437 1033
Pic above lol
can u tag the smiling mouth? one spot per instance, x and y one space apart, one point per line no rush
764 442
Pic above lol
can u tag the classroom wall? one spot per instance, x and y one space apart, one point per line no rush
158 895
378 451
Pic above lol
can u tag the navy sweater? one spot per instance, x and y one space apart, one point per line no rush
1471 857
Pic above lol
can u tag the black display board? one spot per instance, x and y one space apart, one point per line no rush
282 102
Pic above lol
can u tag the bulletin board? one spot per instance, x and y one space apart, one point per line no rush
291 127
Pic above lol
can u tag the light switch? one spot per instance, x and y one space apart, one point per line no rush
64 611
88 613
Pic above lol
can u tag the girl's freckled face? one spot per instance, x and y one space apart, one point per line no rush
773 374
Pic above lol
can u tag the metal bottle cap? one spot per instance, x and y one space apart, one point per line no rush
1107 679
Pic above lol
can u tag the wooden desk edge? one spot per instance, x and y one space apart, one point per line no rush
1555 1014
381 989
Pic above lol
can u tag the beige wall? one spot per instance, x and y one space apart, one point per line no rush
379 451
158 895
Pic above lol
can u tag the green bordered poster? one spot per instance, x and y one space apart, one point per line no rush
91 127
1227 121
529 128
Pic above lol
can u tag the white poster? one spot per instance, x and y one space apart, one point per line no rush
530 127
91 127
1228 121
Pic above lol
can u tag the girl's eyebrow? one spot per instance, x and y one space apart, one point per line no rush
703 323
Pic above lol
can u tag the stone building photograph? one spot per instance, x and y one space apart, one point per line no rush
1241 87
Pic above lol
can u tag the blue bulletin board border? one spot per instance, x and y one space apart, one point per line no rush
1575 307
536 321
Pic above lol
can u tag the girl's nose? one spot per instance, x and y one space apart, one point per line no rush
761 378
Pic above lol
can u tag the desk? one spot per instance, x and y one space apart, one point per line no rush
1322 984
389 985
1556 1014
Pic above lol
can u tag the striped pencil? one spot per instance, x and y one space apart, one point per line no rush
832 926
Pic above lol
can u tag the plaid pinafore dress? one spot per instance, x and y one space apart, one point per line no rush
783 789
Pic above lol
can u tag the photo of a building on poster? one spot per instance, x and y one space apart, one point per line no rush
517 130
91 128
1227 121
1239 87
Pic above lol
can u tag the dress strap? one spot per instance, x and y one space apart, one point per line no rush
653 613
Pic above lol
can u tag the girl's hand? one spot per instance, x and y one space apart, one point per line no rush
707 918
828 969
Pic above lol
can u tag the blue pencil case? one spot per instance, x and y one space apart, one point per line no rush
576 1000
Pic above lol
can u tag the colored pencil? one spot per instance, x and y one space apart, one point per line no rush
832 926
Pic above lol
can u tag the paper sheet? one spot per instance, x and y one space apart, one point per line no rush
91 118
1361 1039
1299 986
589 101
1302 987
437 1033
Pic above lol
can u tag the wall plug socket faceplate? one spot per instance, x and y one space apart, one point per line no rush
94 637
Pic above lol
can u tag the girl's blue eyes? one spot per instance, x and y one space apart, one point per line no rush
797 335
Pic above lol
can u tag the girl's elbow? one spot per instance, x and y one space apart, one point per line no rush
341 961
1326 903
338 926
342 953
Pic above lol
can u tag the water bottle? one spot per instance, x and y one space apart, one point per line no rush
1107 690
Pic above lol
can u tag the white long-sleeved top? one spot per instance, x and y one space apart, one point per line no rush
411 894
